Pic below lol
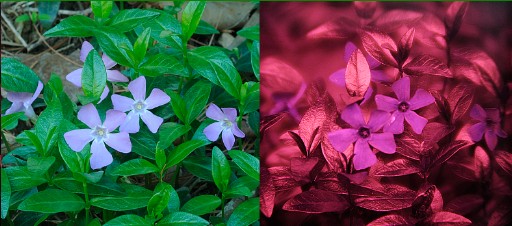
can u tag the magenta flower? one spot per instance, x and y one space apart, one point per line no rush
489 124
75 76
287 102
226 123
403 107
139 106
99 133
22 101
363 134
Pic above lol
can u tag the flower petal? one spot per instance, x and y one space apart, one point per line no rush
75 77
131 123
501 133
341 139
417 122
380 76
367 95
89 115
352 115
138 88
152 121
493 114
84 51
215 113
213 130
363 155
113 119
228 139
120 142
476 131
109 63
386 103
157 98
122 103
236 131
478 113
230 113
100 155
19 97
39 88
402 88
116 76
29 112
491 139
15 107
77 139
378 119
396 125
384 142
349 49
421 99
104 94
372 62
338 77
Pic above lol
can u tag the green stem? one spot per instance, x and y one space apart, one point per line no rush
8 218
240 141
7 145
87 204
223 203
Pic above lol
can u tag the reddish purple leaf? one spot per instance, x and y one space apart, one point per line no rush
393 19
397 198
357 76
502 214
380 46
405 45
447 218
356 178
465 204
448 151
392 219
282 178
340 28
424 65
482 163
333 158
323 111
488 74
398 167
422 202
316 201
365 9
461 99
279 75
329 182
504 162
299 142
303 170
267 193
453 19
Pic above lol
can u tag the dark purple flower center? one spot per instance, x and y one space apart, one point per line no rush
403 106
363 132
489 122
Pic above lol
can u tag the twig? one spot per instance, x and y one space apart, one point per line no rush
64 11
55 51
9 24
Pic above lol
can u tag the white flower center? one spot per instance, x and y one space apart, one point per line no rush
139 106
226 123
99 133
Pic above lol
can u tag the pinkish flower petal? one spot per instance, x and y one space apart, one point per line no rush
386 103
417 122
396 125
476 131
213 130
152 121
19 97
491 139
104 94
372 62
120 142
501 133
215 113
100 155
131 123
384 142
478 113
77 139
352 115
338 77
122 103
230 113
236 131
89 115
421 99
363 155
349 49
291 103
367 95
378 119
402 89
15 107
138 88
113 119
116 76
36 93
341 139
493 114
84 51
228 139
109 63
157 98
75 77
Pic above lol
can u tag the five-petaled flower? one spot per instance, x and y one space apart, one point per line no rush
75 76
363 134
404 107
139 106
489 125
22 101
99 133
226 123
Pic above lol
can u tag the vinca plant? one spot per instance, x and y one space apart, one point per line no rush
163 132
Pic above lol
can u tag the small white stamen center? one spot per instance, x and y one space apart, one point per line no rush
139 106
226 123
99 133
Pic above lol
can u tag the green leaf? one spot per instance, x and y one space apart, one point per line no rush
104 187
199 134
221 171
160 156
201 205
101 9
169 132
138 197
182 219
52 201
20 178
70 157
16 77
190 18
35 141
174 201
204 28
252 33
215 65
161 64
10 121
54 90
73 26
47 13
6 194
144 143
247 163
178 106
196 99
128 19
94 75
246 213
160 199
166 29
128 220
134 167
39 165
255 58
182 151
250 97
117 46
49 119
199 166
140 46
242 186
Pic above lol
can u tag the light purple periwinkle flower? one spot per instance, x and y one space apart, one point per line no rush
75 76
99 133
22 101
363 134
226 123
489 125
139 106
404 107
287 102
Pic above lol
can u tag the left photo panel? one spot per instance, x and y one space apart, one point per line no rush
130 113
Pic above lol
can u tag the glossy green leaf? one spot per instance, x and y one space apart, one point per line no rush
255 58
144 143
190 17
199 166
196 99
54 90
182 219
128 19
161 64
247 163
138 197
246 213
35 141
70 157
117 46
204 28
104 187
178 106
169 132
47 13
201 205
39 165
20 178
160 156
94 75
128 220
6 194
252 33
250 97
52 201
101 9
73 26
47 123
17 77
199 134
182 151
166 29
160 199
242 186
141 45
174 201
135 167
9 121
221 171
92 177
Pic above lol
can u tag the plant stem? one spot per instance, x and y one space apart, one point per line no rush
223 203
87 204
7 145
239 123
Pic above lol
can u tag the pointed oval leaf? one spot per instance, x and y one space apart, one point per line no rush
182 219
190 17
246 213
392 219
182 151
454 16
94 75
393 19
73 26
201 205
248 163
128 19
267 193
380 46
427 65
221 171
398 167
128 220
340 28
52 201
447 218
357 76
6 194
316 201
134 167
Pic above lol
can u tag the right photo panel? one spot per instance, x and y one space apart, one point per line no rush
386 113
